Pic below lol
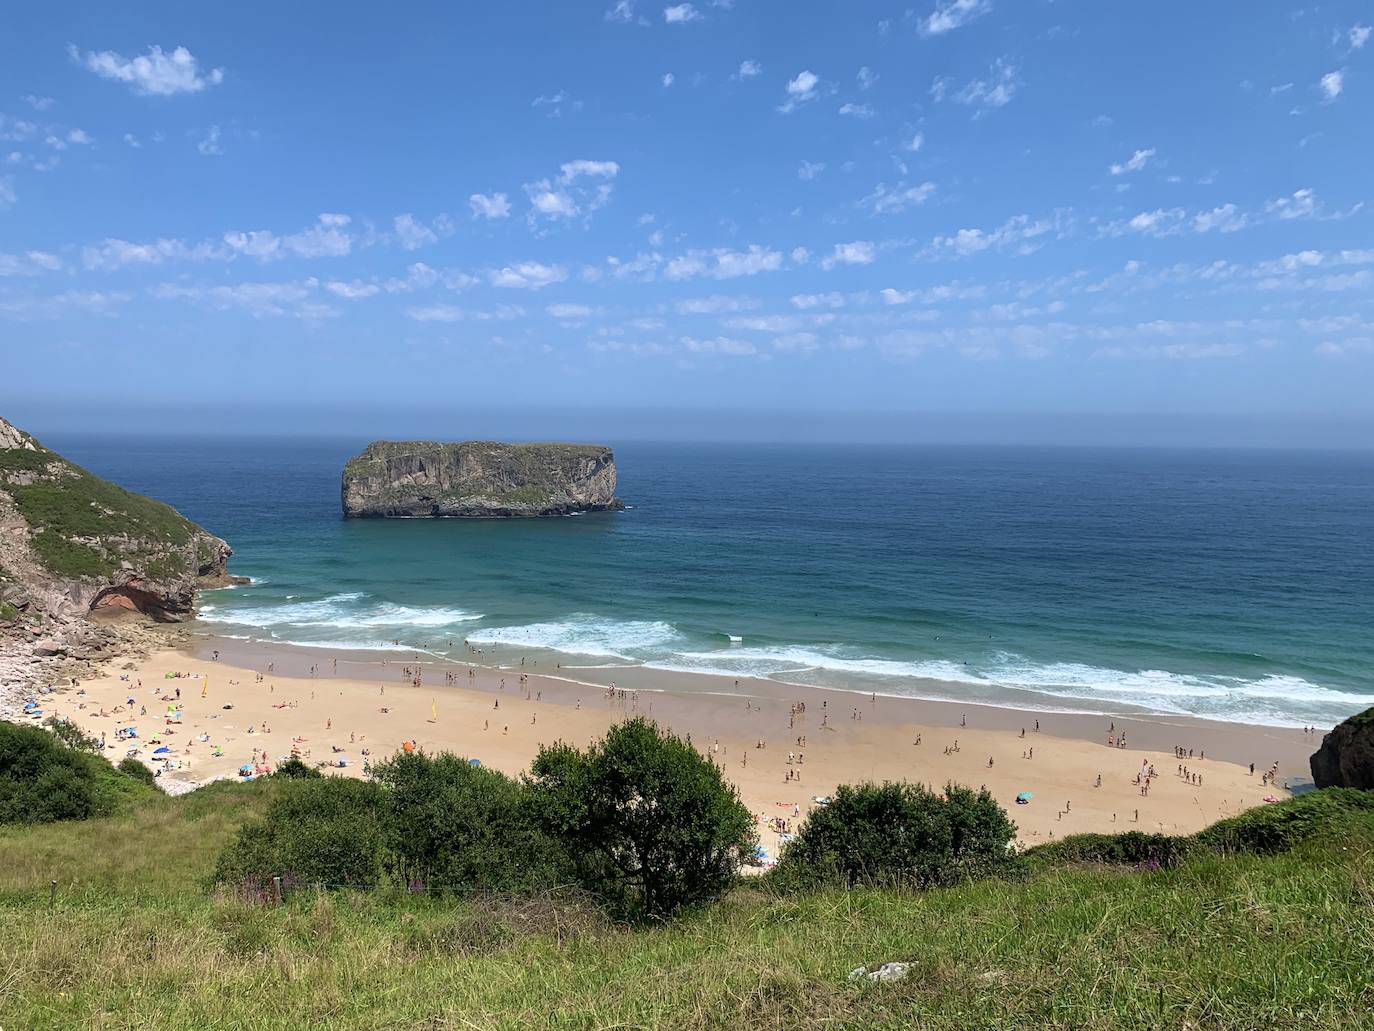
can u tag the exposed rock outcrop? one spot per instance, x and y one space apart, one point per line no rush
478 479
72 543
1346 757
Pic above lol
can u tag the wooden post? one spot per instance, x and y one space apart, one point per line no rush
276 888
52 894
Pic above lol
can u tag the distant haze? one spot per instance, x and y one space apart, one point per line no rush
616 425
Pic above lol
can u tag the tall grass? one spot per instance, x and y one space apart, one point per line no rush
1221 941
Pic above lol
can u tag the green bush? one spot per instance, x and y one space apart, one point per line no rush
71 735
451 826
324 832
651 823
897 834
42 779
1264 830
295 769
131 767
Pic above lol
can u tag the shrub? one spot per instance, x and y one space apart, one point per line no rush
1131 848
71 735
651 823
131 767
323 831
295 769
43 780
454 826
898 834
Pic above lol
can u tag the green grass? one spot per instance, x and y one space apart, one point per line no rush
1221 941
8 613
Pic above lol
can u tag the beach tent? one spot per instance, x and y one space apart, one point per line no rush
474 762
161 751
1024 798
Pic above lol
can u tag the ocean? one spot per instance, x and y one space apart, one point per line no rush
1232 585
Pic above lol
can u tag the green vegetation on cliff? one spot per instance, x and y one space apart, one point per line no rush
83 525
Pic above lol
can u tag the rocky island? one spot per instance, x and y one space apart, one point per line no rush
478 479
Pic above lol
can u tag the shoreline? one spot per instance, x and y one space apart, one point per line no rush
837 736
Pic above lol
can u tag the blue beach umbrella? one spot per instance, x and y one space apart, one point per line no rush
1024 797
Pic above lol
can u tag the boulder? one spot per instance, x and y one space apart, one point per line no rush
1346 756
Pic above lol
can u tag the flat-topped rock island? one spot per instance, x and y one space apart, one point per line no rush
424 479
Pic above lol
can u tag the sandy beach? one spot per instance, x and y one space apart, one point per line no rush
782 745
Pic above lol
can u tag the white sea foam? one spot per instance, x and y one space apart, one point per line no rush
585 635
351 611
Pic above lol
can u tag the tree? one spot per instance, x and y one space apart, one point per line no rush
320 831
295 769
651 823
452 826
72 736
898 834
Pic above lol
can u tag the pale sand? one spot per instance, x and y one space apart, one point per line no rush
504 729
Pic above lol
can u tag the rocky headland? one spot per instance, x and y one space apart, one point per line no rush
83 562
1346 756
478 479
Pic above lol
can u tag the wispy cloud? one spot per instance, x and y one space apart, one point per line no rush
951 14
800 90
494 205
152 74
1134 163
681 14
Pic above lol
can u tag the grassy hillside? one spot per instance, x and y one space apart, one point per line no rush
1218 941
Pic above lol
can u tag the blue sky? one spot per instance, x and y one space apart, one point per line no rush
956 206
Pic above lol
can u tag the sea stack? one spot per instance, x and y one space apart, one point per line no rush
424 479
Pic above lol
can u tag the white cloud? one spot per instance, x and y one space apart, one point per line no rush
800 90
885 201
1019 231
680 14
328 238
1301 204
493 205
723 263
529 275
624 12
258 299
714 305
719 345
115 254
79 136
549 201
594 169
1359 36
764 323
859 252
1160 222
995 91
950 14
152 74
411 234
748 70
891 296
1134 163
44 103
32 263
436 313
353 290
856 110
866 77
809 302
668 79
556 103
210 144
915 143
570 311
1224 219
808 170
132 140
1332 84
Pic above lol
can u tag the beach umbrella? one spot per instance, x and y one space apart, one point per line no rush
1024 797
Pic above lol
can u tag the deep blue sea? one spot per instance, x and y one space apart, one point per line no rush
1228 584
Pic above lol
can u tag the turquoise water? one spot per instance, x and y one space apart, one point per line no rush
1236 585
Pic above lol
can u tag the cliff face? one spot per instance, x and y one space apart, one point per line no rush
72 543
425 479
1346 757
